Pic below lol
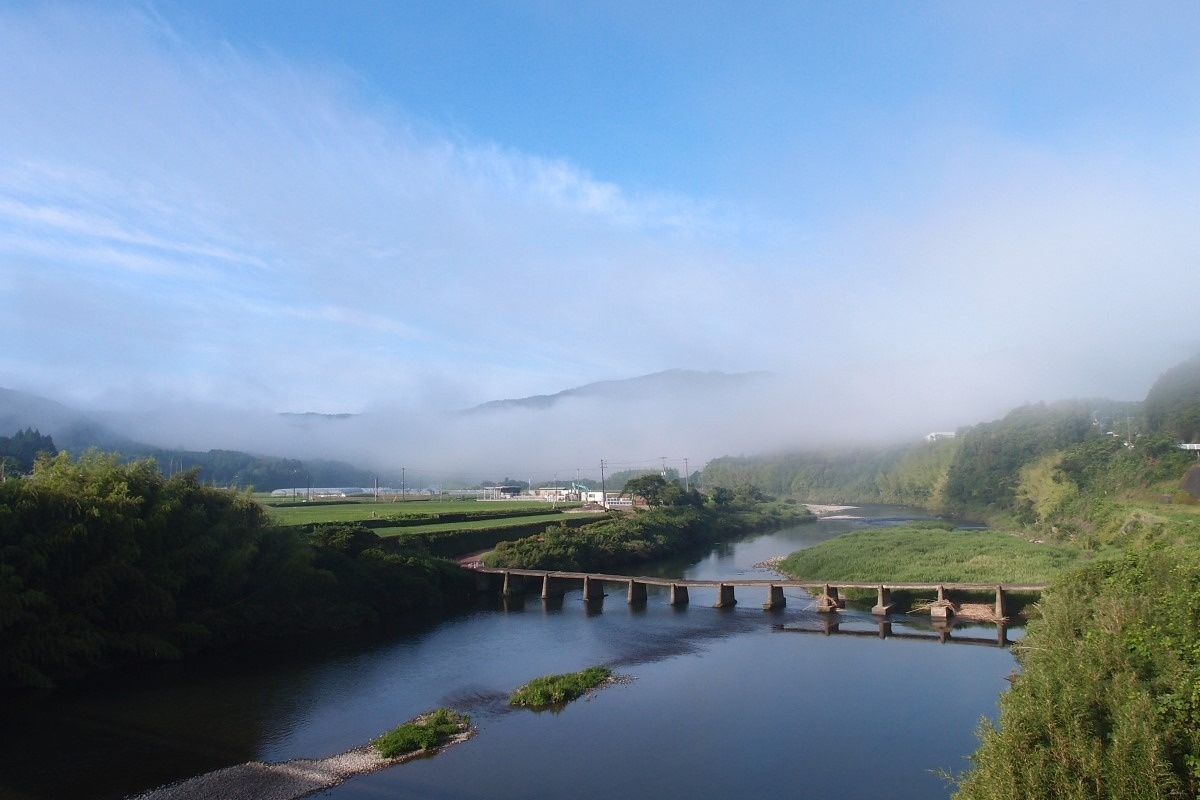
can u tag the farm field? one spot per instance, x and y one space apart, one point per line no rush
364 511
480 524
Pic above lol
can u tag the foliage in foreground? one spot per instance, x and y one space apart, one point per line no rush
550 690
929 551
423 733
103 563
1108 701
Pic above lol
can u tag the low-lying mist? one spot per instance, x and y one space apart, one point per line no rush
630 424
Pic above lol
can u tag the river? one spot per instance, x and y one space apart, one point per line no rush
722 702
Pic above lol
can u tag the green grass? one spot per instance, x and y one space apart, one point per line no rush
426 731
356 511
917 554
551 690
476 524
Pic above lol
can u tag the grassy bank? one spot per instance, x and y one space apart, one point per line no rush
921 552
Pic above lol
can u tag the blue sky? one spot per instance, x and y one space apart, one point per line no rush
337 207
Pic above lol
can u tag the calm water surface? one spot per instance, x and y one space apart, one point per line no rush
722 702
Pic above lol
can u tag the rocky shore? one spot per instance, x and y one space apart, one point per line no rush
286 780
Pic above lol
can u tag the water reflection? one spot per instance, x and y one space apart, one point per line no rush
938 632
720 704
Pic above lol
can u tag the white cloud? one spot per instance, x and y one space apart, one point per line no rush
241 228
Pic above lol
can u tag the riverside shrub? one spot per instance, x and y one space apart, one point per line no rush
1108 701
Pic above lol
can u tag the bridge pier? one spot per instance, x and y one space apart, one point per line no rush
637 592
593 588
883 602
513 585
1000 598
553 587
829 601
725 598
679 594
775 598
942 608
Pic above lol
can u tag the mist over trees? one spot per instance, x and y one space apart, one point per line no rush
1041 464
1173 405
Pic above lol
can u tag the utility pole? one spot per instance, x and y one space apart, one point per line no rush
687 477
403 487
603 489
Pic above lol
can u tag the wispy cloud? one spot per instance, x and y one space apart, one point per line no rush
251 228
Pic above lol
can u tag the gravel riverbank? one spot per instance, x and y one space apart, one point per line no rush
286 780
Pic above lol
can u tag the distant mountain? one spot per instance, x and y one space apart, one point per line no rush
75 431
71 429
310 419
669 383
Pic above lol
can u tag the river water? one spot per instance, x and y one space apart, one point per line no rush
721 702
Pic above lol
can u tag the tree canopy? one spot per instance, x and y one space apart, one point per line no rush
103 563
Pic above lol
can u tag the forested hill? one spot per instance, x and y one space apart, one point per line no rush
1041 464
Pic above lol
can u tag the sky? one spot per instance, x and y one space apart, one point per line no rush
925 213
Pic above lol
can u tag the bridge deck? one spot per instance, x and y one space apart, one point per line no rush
805 584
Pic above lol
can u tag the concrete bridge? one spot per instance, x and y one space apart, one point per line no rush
509 582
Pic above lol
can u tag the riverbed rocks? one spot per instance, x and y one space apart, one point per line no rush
286 780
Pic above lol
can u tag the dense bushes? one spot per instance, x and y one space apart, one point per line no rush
103 563
1108 701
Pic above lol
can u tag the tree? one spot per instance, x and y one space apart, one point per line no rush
648 487
722 496
19 451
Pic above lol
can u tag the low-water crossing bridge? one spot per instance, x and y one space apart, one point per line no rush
509 582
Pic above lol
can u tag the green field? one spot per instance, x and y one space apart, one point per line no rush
366 510
478 524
